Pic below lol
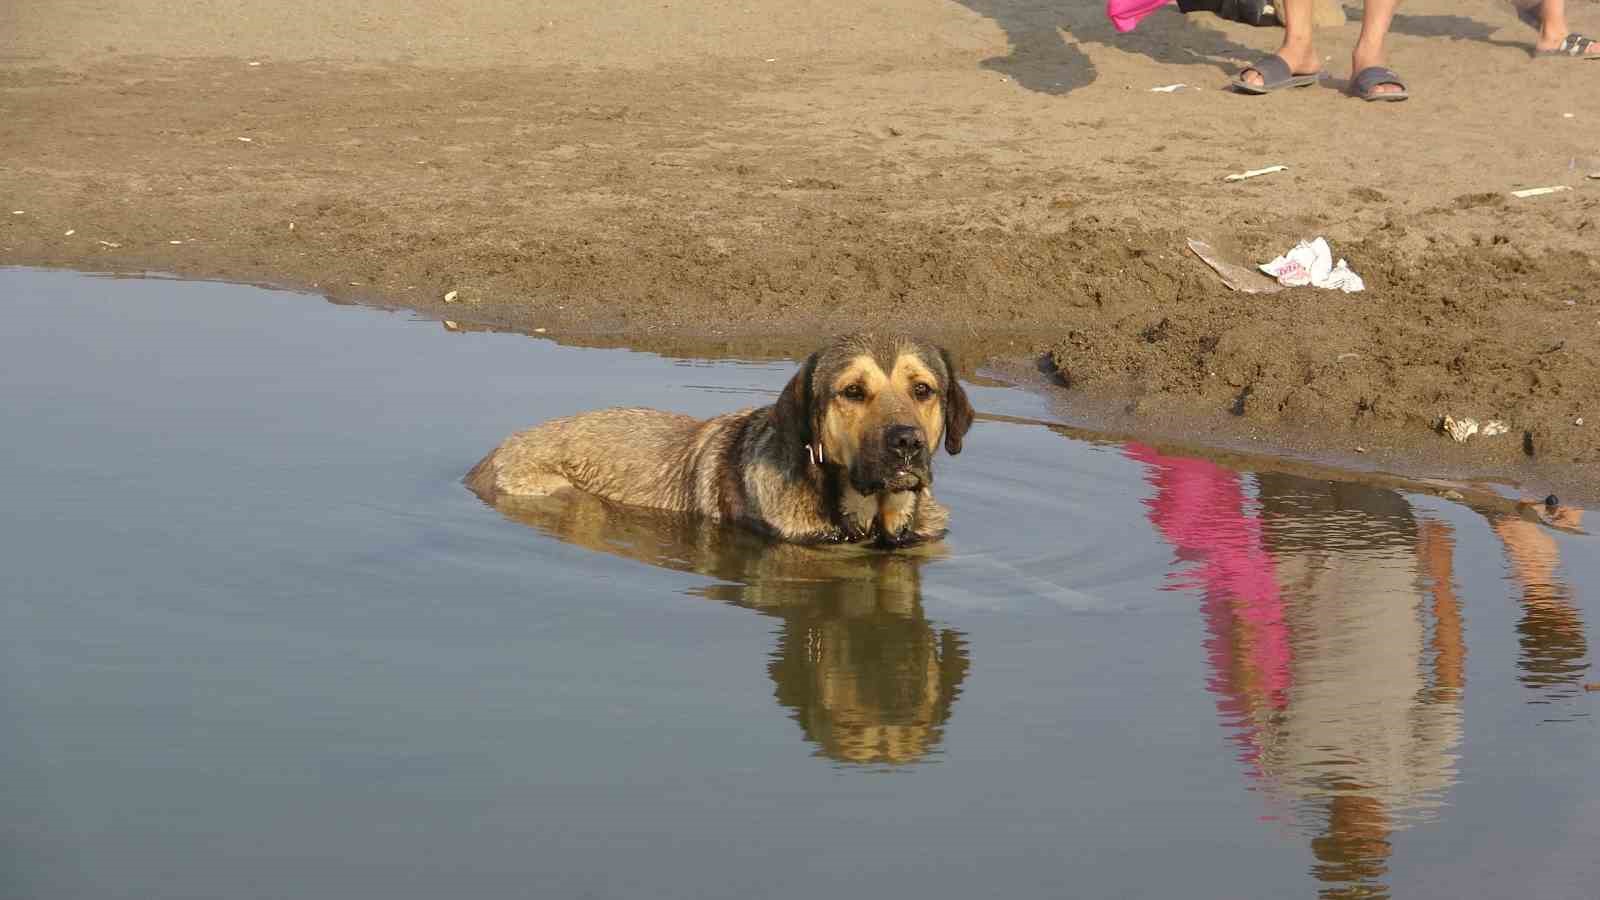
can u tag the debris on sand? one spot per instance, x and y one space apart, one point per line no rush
1311 263
1168 88
1255 173
1464 427
1458 429
1539 191
450 296
1235 276
451 325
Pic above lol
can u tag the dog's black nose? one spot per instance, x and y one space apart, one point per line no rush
904 439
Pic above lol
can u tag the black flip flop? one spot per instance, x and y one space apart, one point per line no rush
1372 77
1275 76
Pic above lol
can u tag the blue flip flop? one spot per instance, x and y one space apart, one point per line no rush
1275 76
1366 82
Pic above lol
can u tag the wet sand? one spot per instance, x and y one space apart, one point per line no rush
737 177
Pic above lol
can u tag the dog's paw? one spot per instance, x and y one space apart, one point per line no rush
851 532
837 534
905 537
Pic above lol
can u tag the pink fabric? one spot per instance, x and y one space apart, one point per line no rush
1200 508
1125 14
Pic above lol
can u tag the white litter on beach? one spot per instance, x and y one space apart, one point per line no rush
1459 429
1496 427
1255 173
1540 191
1168 88
450 297
1311 263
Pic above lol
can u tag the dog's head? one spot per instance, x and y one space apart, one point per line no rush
875 408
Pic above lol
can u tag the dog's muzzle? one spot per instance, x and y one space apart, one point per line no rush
901 464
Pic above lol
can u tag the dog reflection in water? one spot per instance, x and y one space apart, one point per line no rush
864 673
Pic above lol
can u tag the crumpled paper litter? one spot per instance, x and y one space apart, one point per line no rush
1311 263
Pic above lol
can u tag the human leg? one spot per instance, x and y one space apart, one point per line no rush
1555 38
1297 50
1376 17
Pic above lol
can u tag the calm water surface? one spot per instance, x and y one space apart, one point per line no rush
256 640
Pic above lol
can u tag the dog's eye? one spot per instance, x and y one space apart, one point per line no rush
922 391
854 392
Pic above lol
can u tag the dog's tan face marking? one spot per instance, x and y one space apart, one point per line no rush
863 401
850 397
921 385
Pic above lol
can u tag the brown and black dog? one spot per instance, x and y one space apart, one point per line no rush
844 455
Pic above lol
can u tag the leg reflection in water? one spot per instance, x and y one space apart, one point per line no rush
1554 657
1335 647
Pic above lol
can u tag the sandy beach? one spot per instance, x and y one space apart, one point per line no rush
735 177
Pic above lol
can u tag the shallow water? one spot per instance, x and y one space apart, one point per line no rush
258 641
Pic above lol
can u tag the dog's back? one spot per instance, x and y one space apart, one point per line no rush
642 457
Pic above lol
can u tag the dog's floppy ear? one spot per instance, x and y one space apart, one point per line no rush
792 415
957 409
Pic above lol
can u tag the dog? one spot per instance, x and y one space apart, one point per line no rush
845 455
